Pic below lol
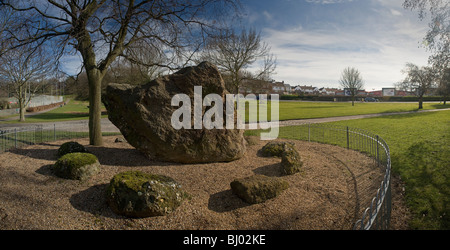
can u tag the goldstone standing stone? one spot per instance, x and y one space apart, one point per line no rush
143 115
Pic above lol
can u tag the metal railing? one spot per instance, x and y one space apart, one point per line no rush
378 208
17 137
378 205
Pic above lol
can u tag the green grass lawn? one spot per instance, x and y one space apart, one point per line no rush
74 110
420 151
309 110
289 110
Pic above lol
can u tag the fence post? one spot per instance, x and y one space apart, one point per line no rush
309 132
15 137
348 139
378 155
54 132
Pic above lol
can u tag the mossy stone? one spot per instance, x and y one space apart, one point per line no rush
291 161
71 147
137 194
76 166
258 188
274 148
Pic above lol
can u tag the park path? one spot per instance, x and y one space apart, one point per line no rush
352 117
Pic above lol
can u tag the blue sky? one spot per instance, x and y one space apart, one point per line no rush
314 40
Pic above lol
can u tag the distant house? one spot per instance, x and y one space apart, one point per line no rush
264 87
306 90
328 91
278 88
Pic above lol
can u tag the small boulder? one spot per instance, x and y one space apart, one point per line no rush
137 194
274 148
71 147
291 161
118 139
76 166
258 188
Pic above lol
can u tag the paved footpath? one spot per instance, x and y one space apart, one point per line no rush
343 118
107 126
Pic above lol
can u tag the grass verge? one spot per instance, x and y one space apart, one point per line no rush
420 154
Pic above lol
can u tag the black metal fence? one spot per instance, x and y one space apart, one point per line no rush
378 207
377 211
18 137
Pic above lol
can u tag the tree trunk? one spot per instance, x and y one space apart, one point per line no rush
21 101
95 106
353 100
420 102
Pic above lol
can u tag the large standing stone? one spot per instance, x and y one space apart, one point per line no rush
143 115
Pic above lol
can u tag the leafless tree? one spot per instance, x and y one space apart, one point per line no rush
444 85
24 69
352 81
419 80
101 30
234 53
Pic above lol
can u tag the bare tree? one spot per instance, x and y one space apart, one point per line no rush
24 70
444 85
351 81
419 80
140 64
234 53
101 30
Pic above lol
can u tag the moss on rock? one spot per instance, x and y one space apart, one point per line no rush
274 148
76 166
291 161
71 147
258 188
138 194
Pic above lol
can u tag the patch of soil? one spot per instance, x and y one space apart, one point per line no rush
331 192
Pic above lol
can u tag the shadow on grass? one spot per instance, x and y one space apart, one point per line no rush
409 115
424 168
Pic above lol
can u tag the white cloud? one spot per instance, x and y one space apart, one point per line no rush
396 12
71 64
379 49
267 15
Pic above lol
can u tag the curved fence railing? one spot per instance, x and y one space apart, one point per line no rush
377 211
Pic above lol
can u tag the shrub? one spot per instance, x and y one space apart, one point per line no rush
76 166
71 147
